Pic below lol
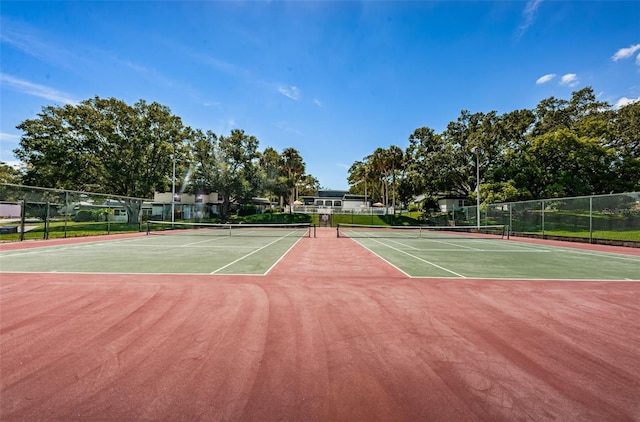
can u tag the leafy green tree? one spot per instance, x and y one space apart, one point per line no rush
236 173
360 178
380 166
468 140
204 156
308 185
427 156
569 165
625 142
396 163
561 148
9 174
274 180
105 146
293 166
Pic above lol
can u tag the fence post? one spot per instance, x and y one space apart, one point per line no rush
510 217
23 217
66 212
46 221
542 218
591 219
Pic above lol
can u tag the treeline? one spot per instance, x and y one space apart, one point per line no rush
561 148
107 146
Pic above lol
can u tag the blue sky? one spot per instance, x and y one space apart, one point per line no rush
333 79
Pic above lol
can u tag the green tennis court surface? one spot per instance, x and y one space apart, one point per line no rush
196 253
498 258
219 249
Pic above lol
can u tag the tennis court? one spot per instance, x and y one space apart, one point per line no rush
208 324
180 248
486 252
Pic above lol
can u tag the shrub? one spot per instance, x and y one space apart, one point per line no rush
84 216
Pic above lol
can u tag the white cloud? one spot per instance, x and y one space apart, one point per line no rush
9 137
638 60
292 92
625 53
36 90
625 101
570 79
529 14
318 102
30 41
546 78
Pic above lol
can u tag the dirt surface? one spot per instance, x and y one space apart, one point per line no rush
332 333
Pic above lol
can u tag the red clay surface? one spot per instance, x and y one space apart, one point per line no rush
332 333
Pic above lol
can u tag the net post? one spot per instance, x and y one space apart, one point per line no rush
508 229
148 228
314 231
338 230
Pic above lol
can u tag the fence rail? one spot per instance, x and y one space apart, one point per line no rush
314 209
39 213
607 219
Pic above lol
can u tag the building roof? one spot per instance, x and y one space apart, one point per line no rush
331 193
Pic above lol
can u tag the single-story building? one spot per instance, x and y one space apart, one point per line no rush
447 202
335 199
187 206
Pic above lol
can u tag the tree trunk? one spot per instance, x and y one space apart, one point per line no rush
134 208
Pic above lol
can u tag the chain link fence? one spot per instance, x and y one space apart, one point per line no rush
606 219
41 213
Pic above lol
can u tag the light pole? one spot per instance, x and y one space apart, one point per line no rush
173 191
365 189
476 150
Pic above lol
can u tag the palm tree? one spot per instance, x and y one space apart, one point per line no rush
395 159
293 166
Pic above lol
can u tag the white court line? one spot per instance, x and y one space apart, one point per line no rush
450 244
186 245
420 259
191 246
382 258
495 251
404 244
249 254
433 240
280 259
601 254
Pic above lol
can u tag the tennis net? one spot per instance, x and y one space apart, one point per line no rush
435 232
227 229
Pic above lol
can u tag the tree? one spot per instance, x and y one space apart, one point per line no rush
274 180
395 159
568 165
360 178
427 158
236 174
562 147
293 166
204 156
308 185
104 146
379 162
9 174
625 142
